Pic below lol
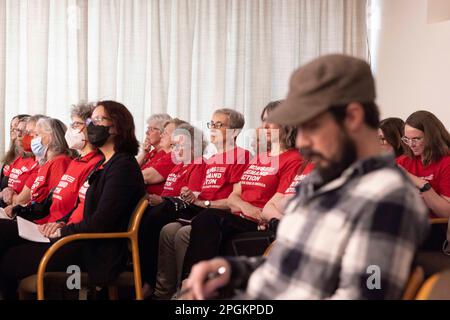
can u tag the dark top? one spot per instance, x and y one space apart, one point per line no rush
115 190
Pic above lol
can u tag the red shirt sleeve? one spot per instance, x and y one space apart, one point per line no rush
444 179
31 178
288 172
238 169
51 179
195 177
164 166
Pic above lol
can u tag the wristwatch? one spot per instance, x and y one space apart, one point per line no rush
207 203
425 188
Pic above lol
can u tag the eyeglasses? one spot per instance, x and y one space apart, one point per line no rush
412 141
18 132
77 124
97 120
176 146
153 129
215 125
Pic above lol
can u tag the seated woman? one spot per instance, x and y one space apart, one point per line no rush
13 152
274 208
267 174
390 134
220 173
64 195
25 166
157 171
188 147
427 160
53 154
115 189
155 128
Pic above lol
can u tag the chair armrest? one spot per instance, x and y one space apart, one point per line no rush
439 221
62 242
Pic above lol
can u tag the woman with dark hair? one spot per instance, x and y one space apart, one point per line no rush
390 134
427 160
115 189
268 173
14 152
24 167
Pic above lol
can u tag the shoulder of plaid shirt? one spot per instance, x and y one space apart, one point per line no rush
332 239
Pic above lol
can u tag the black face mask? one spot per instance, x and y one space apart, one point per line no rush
97 135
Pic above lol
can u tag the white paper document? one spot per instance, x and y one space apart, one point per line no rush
29 231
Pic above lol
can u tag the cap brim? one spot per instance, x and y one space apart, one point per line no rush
290 113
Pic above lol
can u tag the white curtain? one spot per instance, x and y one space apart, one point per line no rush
184 57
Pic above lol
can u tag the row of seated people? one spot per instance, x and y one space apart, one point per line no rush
49 186
207 191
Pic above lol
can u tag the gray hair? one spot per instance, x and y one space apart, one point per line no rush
35 118
198 139
83 110
160 119
57 130
235 118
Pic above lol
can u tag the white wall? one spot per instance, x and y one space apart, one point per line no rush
411 60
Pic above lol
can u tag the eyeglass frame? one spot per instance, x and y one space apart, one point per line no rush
97 120
411 141
383 140
217 125
78 124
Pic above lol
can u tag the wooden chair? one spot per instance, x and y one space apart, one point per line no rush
437 287
267 251
414 282
123 279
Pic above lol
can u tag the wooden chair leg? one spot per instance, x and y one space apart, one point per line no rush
113 293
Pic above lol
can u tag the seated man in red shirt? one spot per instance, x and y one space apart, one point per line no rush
267 174
157 170
427 160
222 171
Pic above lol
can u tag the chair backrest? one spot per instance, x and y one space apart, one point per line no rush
437 287
414 282
138 213
267 251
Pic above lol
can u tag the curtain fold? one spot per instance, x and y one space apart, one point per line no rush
184 57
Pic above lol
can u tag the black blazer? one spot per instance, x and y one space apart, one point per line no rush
115 190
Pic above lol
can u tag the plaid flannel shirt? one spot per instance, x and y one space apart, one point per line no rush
352 238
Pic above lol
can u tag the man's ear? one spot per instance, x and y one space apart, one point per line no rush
355 117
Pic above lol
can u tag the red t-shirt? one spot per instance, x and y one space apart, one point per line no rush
6 168
20 171
48 177
163 165
184 175
436 173
77 214
151 157
65 195
267 175
222 171
299 177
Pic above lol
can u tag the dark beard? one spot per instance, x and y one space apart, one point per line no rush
335 168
